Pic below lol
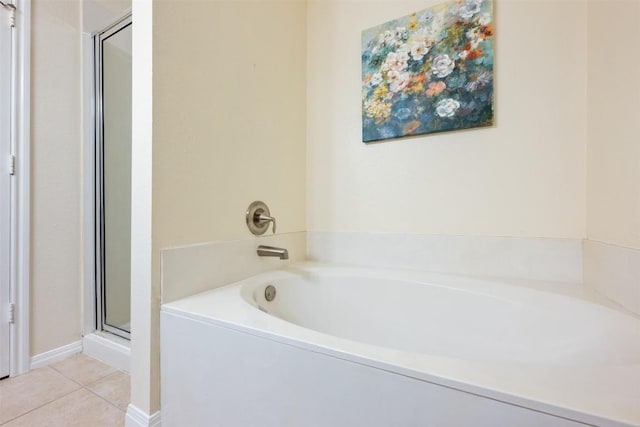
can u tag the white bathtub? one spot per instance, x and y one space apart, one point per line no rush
357 347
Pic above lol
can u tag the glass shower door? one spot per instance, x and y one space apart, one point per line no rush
113 178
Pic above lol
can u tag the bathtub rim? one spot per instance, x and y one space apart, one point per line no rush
232 311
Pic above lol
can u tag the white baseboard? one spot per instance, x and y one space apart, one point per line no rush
51 356
138 418
112 350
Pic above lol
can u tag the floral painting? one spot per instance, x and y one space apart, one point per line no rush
431 71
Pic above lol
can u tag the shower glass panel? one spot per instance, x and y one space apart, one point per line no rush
113 178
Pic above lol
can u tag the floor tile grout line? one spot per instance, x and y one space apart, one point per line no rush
65 376
117 371
63 396
105 377
80 387
104 398
43 405
79 383
51 401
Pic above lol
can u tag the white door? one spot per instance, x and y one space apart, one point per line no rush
5 187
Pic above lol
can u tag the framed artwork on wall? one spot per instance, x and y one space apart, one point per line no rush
431 71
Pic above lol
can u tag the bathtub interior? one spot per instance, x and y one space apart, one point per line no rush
462 319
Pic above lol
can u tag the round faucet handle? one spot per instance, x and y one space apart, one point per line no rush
258 218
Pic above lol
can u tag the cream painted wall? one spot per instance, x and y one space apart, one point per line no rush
524 177
229 119
613 202
55 181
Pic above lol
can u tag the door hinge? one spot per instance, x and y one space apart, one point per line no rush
12 313
12 164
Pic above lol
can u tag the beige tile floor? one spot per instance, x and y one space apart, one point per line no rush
78 391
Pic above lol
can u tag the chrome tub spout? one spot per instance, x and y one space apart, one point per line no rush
272 251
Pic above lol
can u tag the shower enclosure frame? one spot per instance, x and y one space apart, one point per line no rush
18 313
99 212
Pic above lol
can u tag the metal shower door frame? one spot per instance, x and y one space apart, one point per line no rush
99 232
